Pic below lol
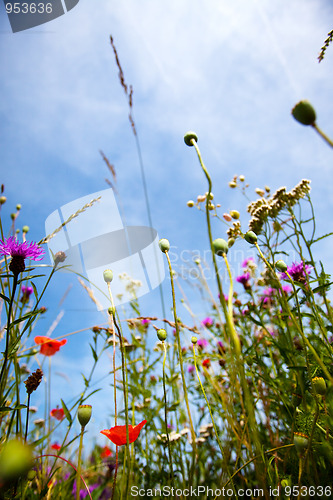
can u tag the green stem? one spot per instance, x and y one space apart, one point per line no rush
3 369
193 436
321 133
78 472
166 417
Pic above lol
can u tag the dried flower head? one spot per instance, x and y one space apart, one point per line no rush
33 381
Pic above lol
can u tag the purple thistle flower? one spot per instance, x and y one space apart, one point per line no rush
26 292
297 272
246 261
191 368
207 322
244 280
19 252
287 289
267 297
202 343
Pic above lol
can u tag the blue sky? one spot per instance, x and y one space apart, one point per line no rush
231 71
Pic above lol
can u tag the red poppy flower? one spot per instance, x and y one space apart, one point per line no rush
56 446
57 413
106 452
206 363
48 346
117 434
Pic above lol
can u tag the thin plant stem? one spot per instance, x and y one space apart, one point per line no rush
166 416
322 135
78 472
8 329
193 436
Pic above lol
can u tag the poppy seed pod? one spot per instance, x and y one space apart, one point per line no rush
304 113
84 414
319 385
301 441
280 265
164 245
108 276
162 334
251 237
220 246
189 137
194 340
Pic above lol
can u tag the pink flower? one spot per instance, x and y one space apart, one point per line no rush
207 322
246 261
202 343
26 292
191 368
297 272
244 280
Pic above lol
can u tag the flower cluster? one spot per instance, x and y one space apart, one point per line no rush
263 208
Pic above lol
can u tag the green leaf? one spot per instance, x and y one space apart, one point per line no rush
67 414
23 318
94 353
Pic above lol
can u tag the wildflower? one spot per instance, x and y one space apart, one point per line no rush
19 252
117 434
48 346
106 452
207 322
220 347
26 292
57 413
268 294
287 289
33 381
56 446
191 368
83 491
145 321
297 272
247 261
202 343
244 280
206 363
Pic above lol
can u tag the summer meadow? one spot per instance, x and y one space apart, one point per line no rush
237 405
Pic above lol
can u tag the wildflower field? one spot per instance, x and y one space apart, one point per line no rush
237 406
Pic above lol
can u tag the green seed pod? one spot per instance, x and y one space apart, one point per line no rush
18 206
234 214
280 265
84 414
220 246
111 310
164 245
162 334
108 276
194 340
251 237
3 200
301 441
189 137
319 385
190 203
232 184
25 229
231 242
304 113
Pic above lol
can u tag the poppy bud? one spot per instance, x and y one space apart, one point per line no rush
189 137
108 276
84 414
300 441
25 229
251 237
319 385
3 200
190 203
164 245
15 460
220 246
280 265
304 113
162 334
194 340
